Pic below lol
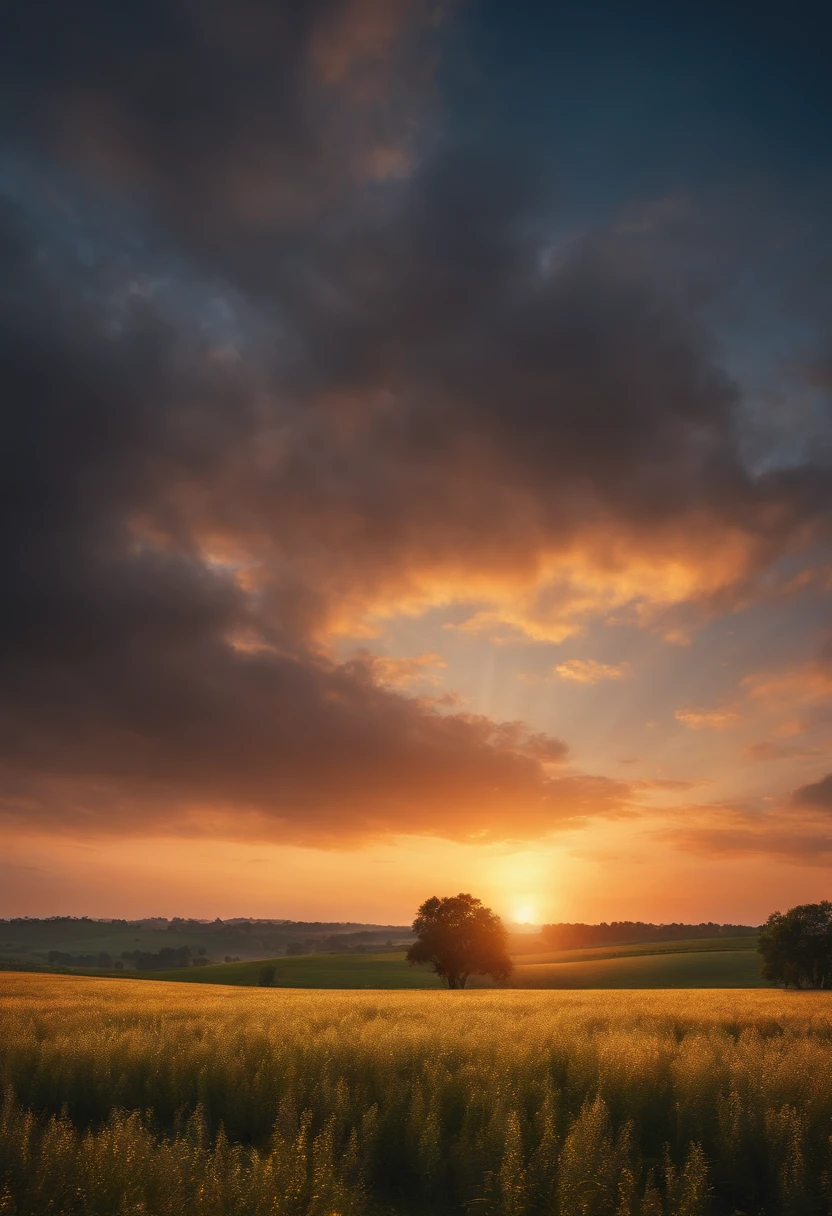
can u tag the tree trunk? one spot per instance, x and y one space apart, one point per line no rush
452 981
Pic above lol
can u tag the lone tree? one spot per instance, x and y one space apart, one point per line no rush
458 937
797 946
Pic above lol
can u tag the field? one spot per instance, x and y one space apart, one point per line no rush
701 963
692 945
311 971
158 1099
653 969
697 963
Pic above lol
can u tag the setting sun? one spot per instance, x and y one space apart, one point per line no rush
410 547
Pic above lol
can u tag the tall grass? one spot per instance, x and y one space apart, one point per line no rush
157 1099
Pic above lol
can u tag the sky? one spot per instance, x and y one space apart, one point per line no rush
416 458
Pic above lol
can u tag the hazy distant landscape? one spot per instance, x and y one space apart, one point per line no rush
703 963
75 938
334 955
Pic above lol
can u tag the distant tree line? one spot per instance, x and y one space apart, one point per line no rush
321 936
143 960
622 932
102 959
340 943
250 938
242 924
166 959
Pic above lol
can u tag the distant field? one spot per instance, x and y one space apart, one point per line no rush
127 1098
698 963
309 971
732 962
692 945
704 963
683 969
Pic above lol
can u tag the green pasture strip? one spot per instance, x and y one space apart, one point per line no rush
693 969
307 971
690 945
708 967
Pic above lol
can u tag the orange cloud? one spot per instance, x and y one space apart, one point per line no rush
549 594
797 845
398 673
808 684
791 827
588 671
769 750
708 719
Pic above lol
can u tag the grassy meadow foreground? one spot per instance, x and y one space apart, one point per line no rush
158 1098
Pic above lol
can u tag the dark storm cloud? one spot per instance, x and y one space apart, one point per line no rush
413 390
219 114
126 701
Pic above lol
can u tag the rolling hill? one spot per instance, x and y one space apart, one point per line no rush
677 969
698 963
308 971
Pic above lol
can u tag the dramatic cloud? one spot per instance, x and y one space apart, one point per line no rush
149 679
804 687
286 355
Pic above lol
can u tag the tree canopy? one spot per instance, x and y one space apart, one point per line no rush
797 946
459 937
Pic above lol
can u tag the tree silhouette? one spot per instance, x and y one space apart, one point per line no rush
459 937
797 946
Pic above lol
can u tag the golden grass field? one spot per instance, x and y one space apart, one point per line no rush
160 1098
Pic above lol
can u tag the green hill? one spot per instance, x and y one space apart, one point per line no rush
308 971
692 945
679 969
698 963
692 963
